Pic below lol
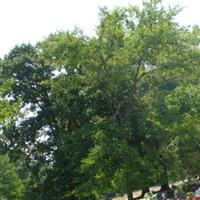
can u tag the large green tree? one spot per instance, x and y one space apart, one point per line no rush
137 53
102 114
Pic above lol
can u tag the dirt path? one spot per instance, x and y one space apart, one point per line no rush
138 193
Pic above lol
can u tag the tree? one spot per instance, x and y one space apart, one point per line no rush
183 104
25 73
11 187
133 49
102 111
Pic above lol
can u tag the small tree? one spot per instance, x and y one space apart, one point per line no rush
11 186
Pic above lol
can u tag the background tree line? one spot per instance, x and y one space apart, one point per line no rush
119 111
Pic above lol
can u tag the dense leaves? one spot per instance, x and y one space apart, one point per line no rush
82 116
11 187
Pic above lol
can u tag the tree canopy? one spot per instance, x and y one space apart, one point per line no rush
83 116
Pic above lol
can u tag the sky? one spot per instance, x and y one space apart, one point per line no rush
24 21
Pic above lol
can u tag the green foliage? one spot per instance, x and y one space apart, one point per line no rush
85 116
111 164
150 196
11 187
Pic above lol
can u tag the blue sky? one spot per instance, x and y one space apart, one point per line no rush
33 20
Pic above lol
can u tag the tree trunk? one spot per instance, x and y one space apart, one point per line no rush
144 191
130 195
165 181
165 187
